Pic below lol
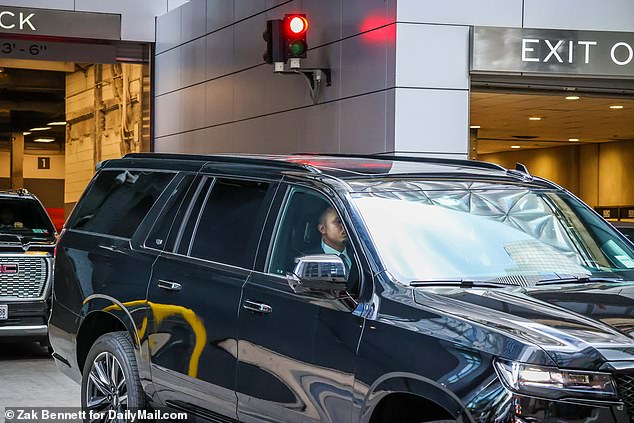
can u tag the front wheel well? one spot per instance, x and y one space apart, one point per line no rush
94 325
408 408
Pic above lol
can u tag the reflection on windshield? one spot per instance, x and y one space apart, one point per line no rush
478 231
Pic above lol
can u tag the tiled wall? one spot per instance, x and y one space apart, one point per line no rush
400 71
214 93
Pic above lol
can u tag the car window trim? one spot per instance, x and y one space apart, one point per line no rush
188 213
199 217
183 175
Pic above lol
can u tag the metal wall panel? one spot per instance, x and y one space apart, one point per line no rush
219 102
359 16
431 121
219 14
443 63
325 19
605 15
249 45
247 8
319 128
219 58
363 62
193 19
193 62
362 123
137 17
463 12
168 114
168 31
193 108
168 71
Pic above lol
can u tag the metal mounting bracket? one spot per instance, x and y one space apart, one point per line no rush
314 77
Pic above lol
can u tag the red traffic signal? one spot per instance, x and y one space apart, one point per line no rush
295 27
297 24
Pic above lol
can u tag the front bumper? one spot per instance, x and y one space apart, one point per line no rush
26 319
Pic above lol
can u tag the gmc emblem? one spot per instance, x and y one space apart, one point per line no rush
9 268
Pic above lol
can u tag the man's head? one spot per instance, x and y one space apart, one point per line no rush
331 229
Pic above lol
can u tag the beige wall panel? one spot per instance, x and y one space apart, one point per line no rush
57 170
589 174
615 171
557 164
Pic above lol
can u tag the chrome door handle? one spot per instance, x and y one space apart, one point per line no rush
257 307
169 285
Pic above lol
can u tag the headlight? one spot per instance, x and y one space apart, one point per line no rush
550 382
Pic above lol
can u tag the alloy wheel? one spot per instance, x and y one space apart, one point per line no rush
106 389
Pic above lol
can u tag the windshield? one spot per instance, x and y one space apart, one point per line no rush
426 231
24 217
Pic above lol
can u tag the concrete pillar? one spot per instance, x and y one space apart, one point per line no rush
17 160
432 88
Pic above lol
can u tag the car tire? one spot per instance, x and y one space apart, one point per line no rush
110 380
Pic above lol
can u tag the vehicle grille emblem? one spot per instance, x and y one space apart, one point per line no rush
9 268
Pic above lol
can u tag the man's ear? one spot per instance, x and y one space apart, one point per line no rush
321 228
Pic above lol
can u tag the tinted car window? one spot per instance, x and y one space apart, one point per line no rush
228 221
24 216
163 225
297 234
118 201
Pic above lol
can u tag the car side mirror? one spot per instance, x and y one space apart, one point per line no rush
319 272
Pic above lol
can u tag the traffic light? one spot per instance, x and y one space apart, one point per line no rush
295 27
286 38
274 37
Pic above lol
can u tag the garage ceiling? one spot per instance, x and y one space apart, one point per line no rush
29 99
504 119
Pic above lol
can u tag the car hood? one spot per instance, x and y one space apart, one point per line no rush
578 326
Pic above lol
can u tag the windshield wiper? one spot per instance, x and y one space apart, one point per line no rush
578 279
462 283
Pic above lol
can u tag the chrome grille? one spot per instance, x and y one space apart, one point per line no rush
625 388
30 279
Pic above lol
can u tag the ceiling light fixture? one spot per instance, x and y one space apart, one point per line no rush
573 97
534 118
616 107
573 139
44 140
42 128
56 123
515 146
26 133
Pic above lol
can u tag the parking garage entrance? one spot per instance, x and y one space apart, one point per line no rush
560 102
72 94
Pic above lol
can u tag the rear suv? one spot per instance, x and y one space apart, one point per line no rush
342 289
27 241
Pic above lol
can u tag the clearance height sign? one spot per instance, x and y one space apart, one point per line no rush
60 23
559 52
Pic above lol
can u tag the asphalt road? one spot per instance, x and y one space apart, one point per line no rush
29 378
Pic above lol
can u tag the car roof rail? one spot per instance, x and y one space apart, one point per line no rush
238 159
391 156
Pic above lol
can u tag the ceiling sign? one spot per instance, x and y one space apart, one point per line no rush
59 23
55 51
556 52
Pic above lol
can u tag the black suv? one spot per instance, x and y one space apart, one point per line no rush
340 288
27 241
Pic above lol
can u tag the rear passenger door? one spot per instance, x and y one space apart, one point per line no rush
194 294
